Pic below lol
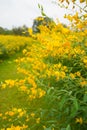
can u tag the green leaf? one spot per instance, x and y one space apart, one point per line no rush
62 102
68 127
74 107
48 128
41 8
43 14
85 98
38 5
63 128
51 121
76 104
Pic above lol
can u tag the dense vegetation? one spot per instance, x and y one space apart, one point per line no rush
18 31
43 82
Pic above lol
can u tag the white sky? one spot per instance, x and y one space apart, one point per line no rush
14 13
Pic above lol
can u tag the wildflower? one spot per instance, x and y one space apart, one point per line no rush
59 65
32 114
83 83
72 75
27 119
24 51
0 114
79 120
41 93
44 126
81 1
14 128
21 114
38 120
4 86
23 88
19 110
78 74
63 74
4 118
24 126
11 113
34 91
85 61
10 83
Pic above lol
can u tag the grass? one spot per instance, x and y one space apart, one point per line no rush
8 68
10 97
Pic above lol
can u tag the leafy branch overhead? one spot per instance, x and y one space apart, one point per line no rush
42 10
75 4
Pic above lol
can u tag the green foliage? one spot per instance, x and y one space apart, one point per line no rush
45 21
5 31
3 52
42 10
19 31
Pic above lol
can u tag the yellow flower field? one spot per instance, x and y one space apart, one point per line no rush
53 92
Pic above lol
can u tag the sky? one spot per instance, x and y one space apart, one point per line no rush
14 13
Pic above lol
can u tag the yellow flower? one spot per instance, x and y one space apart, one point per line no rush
3 86
38 120
19 110
32 114
63 74
10 113
44 126
10 83
21 114
79 120
4 118
85 61
27 119
24 51
0 114
9 129
83 83
72 75
34 91
23 88
14 128
17 128
59 65
41 93
81 1
78 74
24 126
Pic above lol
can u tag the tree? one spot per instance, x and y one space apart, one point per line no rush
5 31
45 21
22 31
1 30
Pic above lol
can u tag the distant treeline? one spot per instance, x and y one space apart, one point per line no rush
22 31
